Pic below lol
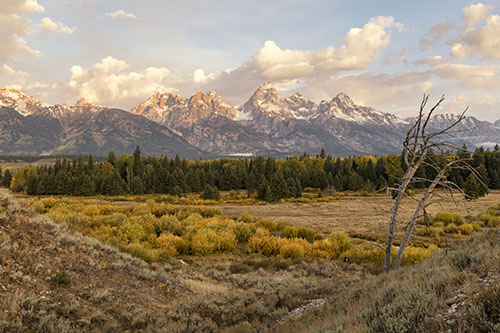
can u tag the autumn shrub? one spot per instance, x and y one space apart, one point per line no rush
246 217
168 242
243 231
300 232
360 255
227 241
430 231
204 242
340 242
292 251
451 228
168 223
266 245
490 221
447 218
272 226
466 229
414 255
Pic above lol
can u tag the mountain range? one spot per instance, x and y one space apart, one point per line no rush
205 125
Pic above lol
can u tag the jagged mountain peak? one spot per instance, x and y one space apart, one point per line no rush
82 102
22 103
344 99
497 123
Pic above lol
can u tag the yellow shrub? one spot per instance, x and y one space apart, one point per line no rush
227 241
246 217
447 218
243 231
490 220
292 251
360 254
267 245
168 223
451 228
205 241
168 242
91 210
272 226
413 255
341 242
466 229
476 226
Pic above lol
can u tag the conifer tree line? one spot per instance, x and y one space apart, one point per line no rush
265 178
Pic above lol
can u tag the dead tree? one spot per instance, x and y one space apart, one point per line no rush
423 149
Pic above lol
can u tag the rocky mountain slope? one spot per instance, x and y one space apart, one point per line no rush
270 124
28 126
170 124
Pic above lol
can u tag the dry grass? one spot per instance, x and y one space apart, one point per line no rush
356 215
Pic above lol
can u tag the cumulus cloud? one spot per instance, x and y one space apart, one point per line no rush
475 13
199 76
120 13
483 39
486 105
110 81
361 47
13 26
49 25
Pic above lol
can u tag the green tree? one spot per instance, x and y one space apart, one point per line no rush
210 193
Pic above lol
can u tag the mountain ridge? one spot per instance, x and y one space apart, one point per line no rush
265 124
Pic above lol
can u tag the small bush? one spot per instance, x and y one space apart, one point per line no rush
451 228
246 217
292 251
483 315
447 218
462 259
205 242
168 242
243 231
61 278
466 229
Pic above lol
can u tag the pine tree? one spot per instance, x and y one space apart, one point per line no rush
472 188
137 187
210 193
264 191
7 178
138 163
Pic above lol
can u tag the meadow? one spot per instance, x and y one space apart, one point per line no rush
163 228
148 263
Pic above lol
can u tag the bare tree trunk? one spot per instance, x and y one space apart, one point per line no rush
394 217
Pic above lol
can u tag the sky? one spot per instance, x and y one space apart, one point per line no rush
385 54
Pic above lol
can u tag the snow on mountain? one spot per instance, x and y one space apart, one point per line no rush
22 103
301 107
342 107
265 103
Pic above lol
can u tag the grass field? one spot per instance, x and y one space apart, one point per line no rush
354 214
206 282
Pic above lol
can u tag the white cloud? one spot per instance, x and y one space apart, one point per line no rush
49 25
120 13
361 47
13 26
461 71
200 77
109 82
475 13
484 39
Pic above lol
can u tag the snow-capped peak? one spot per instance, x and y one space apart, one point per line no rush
22 103
344 99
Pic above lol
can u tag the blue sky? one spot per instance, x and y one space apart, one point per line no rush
384 54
